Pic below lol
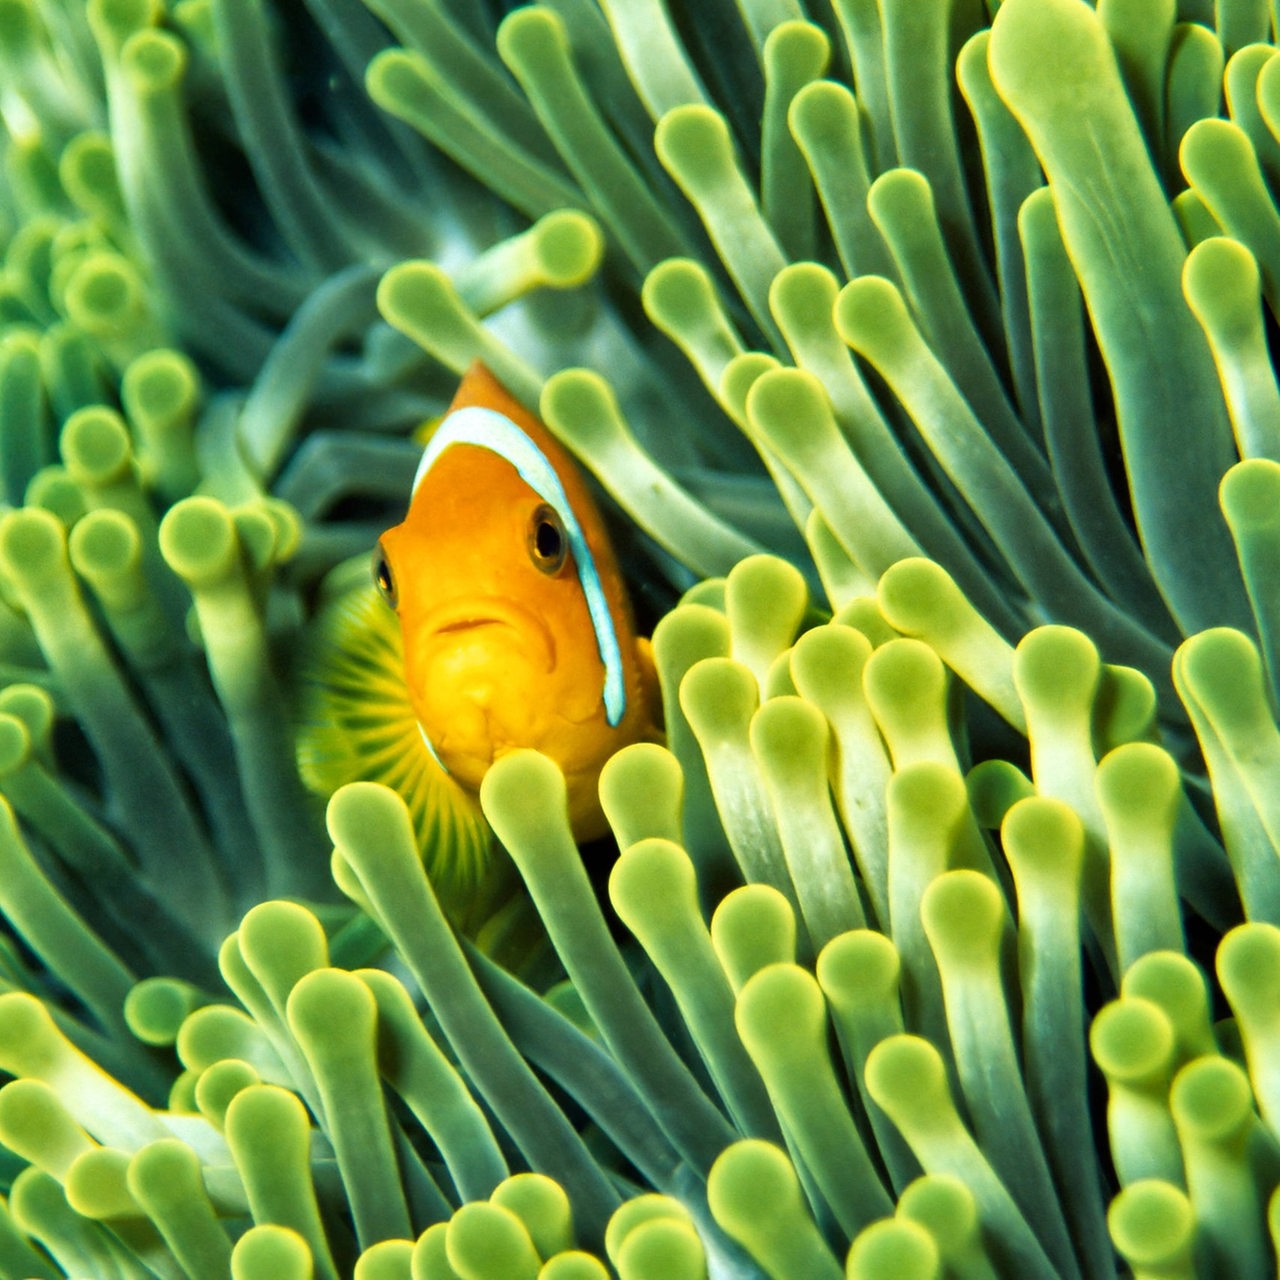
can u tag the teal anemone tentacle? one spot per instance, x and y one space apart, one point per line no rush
1221 680
1220 164
418 1070
757 1197
317 231
1224 288
104 548
919 78
1012 173
534 44
789 740
205 545
689 633
781 1016
861 24
269 1133
160 393
681 298
790 410
824 119
473 72
581 408
578 1064
334 1016
420 300
339 309
98 453
946 1209
152 137
1141 35
858 973
718 698
1240 87
965 918
1132 1042
1249 494
523 798
147 798
23 403
827 665
372 828
872 317
1153 1227
1140 793
696 147
1243 966
655 60
414 89
902 205
57 933
1194 86
1126 249
907 1076
653 888
1075 453
795 55
1044 841
1212 1106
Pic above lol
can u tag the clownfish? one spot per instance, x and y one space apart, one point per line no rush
516 626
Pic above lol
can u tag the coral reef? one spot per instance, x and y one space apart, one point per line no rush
923 351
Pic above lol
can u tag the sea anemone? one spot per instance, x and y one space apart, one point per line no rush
923 355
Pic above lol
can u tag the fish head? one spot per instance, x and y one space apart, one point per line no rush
516 627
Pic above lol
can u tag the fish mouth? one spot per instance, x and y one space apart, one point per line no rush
460 617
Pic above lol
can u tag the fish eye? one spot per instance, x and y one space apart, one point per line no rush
383 578
548 542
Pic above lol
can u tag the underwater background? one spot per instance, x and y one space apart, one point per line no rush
922 356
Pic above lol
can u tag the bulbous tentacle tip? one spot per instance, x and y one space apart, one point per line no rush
942 1203
963 914
695 146
1250 495
1211 1100
581 407
282 941
156 1008
871 317
523 794
32 547
1043 833
412 294
652 883
1247 957
267 1252
361 813
894 1248
1132 1041
569 246
747 1173
634 1213
199 542
664 1247
1152 1225
905 1074
573 1264
487 1239
543 1205
329 1006
1024 30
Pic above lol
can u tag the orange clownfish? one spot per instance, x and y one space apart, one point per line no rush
516 625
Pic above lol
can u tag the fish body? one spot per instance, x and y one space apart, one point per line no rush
517 630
